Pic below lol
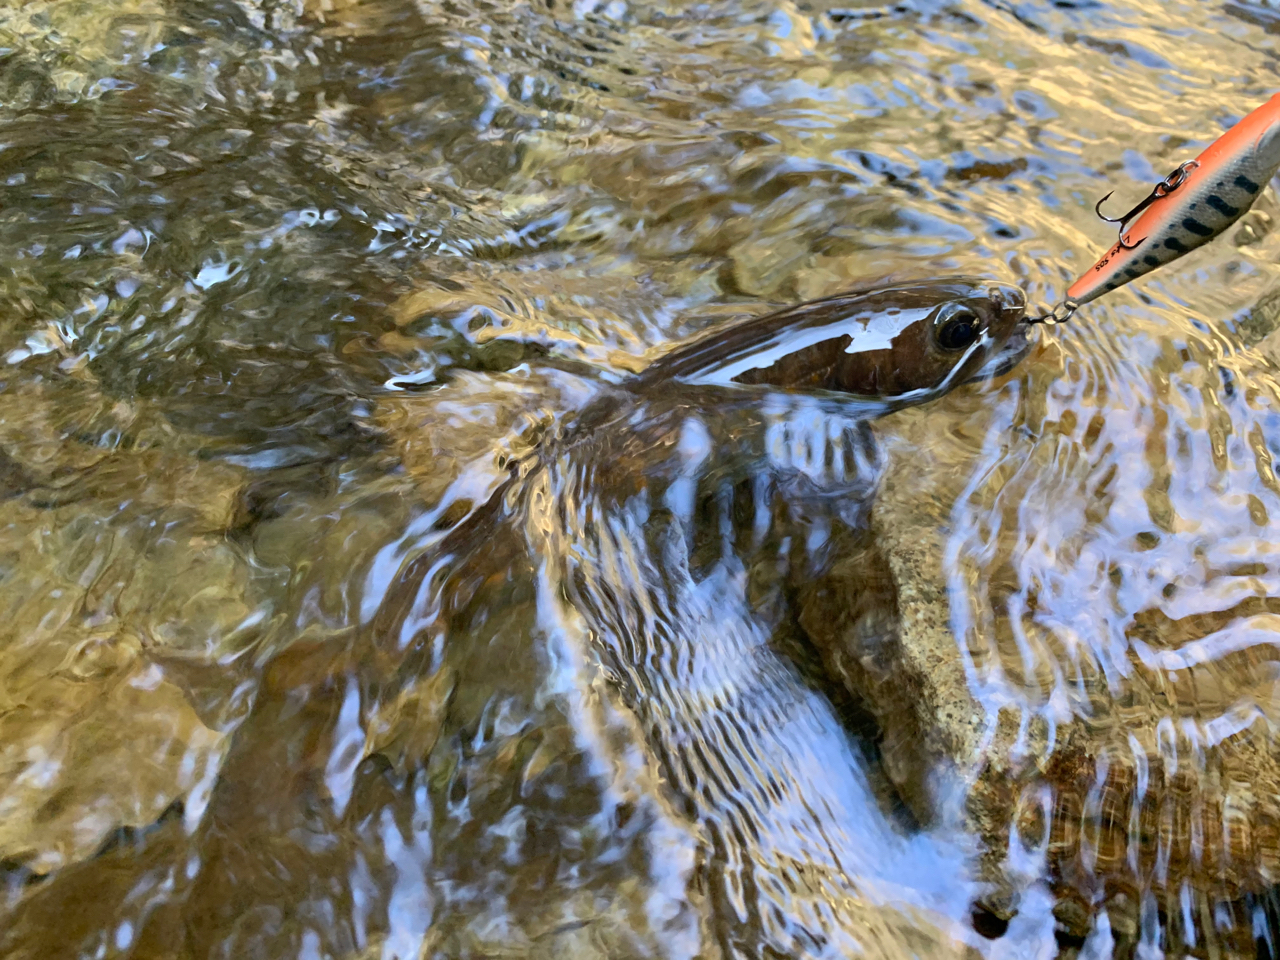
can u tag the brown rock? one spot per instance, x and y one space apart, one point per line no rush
1125 797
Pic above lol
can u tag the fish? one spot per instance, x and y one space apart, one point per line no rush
901 343
632 534
1195 203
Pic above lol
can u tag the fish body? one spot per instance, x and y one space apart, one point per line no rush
1220 185
905 343
645 542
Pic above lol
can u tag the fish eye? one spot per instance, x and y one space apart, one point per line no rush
956 327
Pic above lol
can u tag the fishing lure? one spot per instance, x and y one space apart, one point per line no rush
1196 202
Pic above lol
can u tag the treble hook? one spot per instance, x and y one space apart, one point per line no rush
1123 221
1162 189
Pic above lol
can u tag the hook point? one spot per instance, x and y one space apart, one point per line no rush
1097 208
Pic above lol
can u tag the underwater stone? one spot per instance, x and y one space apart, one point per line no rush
1124 822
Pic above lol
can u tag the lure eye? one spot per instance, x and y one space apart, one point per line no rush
956 327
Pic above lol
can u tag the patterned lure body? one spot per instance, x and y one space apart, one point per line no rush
1220 185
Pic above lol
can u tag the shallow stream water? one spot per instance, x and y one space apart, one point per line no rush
289 289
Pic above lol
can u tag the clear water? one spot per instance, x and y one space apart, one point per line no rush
287 288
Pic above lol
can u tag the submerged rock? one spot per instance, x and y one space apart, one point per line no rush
1077 661
99 730
115 578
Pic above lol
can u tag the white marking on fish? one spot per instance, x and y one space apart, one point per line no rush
864 336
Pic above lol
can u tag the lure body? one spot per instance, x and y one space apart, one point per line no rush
1220 185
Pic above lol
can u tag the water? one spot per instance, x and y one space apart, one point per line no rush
287 288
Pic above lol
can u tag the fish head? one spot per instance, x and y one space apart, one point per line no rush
898 343
943 333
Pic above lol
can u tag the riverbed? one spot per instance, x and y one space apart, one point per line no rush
286 290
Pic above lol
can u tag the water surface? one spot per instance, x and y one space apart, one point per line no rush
287 287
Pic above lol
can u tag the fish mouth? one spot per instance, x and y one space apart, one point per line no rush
1018 345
